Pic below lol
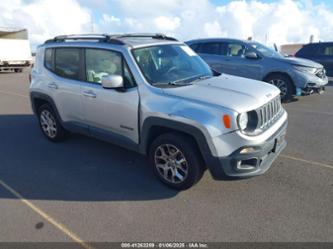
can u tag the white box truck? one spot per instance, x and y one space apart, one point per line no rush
15 52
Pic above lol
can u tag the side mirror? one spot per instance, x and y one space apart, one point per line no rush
251 55
112 81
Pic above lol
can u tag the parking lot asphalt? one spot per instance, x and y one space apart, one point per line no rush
87 190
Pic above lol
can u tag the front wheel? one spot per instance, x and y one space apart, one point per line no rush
284 84
176 161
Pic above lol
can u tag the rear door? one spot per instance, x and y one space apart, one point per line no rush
110 114
64 81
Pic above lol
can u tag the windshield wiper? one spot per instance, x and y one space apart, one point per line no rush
181 82
176 82
203 77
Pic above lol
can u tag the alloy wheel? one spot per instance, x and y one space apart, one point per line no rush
281 84
48 123
171 163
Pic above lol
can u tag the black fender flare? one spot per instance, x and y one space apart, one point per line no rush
212 163
46 98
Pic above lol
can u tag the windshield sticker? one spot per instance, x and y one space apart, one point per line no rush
188 51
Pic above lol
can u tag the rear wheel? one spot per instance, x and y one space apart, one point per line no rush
176 161
50 124
284 84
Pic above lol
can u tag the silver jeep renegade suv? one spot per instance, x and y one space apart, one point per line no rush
154 95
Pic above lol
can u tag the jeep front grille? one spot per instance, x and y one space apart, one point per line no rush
269 113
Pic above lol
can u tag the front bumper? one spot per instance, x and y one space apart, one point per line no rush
311 89
255 162
309 83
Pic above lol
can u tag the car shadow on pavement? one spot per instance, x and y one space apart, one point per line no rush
79 169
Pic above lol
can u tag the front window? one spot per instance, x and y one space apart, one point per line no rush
100 62
170 64
235 50
267 52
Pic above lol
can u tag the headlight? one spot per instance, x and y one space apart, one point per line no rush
243 119
310 70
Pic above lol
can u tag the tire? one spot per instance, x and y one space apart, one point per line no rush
50 125
18 70
284 84
186 163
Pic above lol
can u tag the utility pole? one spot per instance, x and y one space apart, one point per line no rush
92 25
266 38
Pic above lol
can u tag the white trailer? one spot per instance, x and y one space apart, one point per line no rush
15 52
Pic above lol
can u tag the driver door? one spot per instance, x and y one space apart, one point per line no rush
110 113
239 65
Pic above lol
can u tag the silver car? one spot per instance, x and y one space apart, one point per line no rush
293 76
155 95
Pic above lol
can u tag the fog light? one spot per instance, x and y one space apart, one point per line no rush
248 164
247 150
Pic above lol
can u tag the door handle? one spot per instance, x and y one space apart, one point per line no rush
90 94
53 85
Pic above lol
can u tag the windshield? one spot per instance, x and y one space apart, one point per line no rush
268 52
171 64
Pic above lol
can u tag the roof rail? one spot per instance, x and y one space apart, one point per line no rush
159 36
114 39
92 37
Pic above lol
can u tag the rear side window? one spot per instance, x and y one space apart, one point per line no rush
210 48
195 46
48 59
67 63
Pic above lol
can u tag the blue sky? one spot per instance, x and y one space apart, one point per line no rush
267 21
326 2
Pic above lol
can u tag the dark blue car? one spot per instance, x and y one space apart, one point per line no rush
321 52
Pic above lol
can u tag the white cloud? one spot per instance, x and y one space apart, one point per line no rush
45 18
213 29
278 22
167 24
281 22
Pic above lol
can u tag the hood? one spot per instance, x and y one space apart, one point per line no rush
236 93
299 62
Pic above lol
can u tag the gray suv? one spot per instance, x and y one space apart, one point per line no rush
293 76
156 96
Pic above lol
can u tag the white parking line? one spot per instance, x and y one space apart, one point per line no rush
46 216
14 94
307 161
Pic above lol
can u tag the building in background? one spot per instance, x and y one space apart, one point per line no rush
290 49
